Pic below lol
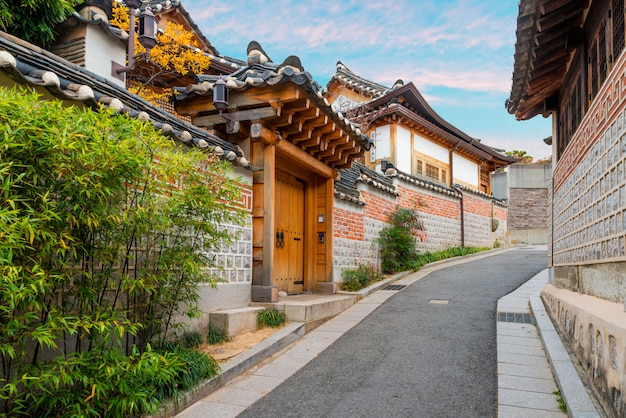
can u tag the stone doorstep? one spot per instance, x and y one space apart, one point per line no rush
235 321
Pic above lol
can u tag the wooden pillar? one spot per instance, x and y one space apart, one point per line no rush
263 155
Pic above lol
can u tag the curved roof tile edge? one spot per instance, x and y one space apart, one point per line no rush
67 81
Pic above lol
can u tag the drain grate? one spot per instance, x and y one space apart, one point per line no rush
394 287
515 317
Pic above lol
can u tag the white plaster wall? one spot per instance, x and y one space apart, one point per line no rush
430 149
465 170
383 142
100 50
403 149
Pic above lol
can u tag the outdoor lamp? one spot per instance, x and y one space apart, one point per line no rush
147 29
147 35
220 101
220 95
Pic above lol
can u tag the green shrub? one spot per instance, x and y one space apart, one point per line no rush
270 318
397 241
191 339
110 384
101 246
359 278
216 336
430 257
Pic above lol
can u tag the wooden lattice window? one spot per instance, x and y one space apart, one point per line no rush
617 16
419 168
432 171
593 63
602 62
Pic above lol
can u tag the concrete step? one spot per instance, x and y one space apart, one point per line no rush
311 309
235 321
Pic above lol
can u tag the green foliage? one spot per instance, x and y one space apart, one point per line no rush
356 279
397 241
270 318
106 232
111 384
560 400
34 20
191 339
430 257
216 336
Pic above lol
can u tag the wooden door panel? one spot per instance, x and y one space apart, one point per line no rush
289 234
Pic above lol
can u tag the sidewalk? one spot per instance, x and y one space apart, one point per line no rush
526 384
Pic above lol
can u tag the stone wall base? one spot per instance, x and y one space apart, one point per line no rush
595 330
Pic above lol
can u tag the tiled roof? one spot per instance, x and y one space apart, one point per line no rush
421 182
346 187
260 71
345 76
31 65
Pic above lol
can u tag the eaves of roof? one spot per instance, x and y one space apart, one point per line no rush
267 74
548 32
471 145
346 77
31 65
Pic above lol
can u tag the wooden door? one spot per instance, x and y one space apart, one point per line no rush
289 233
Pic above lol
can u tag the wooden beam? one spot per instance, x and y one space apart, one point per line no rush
293 153
251 114
265 135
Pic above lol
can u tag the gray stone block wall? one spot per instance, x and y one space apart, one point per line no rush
234 261
590 206
441 233
478 231
349 254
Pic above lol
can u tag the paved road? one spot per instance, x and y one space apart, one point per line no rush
412 358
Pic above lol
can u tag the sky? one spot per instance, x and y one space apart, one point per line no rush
459 54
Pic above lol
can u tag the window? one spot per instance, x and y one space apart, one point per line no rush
433 170
617 17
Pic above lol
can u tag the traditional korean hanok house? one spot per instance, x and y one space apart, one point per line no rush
429 164
570 64
276 114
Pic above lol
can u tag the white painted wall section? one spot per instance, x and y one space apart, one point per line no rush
403 149
383 142
431 149
465 170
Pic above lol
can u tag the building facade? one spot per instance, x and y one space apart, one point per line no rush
570 64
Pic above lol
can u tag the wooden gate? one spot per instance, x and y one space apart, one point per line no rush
289 234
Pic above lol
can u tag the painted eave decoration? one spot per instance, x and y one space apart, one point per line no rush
28 64
286 100
548 32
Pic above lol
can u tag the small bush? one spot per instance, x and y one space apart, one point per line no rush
397 241
191 339
430 257
216 336
270 318
359 278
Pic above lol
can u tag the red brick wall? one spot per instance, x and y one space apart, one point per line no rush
347 224
500 213
378 207
426 203
480 207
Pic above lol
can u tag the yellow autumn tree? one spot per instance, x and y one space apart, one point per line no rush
176 55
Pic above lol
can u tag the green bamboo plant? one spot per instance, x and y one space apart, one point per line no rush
106 232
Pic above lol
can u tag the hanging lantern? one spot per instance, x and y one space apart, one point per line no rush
147 29
220 95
